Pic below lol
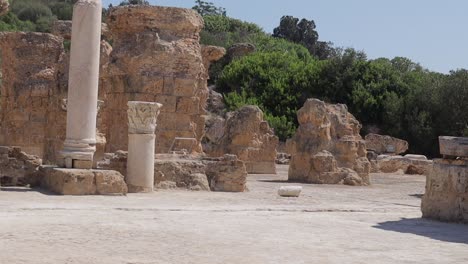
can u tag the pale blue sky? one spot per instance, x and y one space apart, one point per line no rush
431 32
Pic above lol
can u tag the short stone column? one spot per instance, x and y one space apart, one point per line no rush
142 118
80 143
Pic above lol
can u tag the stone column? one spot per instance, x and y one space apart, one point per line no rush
80 143
142 118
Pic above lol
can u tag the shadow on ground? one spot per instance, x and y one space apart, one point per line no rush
448 232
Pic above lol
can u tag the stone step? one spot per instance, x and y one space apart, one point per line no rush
453 146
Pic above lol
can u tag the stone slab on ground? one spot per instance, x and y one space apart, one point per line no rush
82 182
332 224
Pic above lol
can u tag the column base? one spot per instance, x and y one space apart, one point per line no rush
77 154
139 189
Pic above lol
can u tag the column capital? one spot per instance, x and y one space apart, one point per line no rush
142 117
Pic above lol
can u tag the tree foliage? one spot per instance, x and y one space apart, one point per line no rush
208 9
134 2
303 32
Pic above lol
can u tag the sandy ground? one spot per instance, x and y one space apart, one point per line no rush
327 224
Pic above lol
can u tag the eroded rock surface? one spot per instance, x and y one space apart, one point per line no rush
18 168
381 144
446 196
248 135
82 182
63 28
408 164
327 147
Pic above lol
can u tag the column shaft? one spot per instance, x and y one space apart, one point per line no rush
79 146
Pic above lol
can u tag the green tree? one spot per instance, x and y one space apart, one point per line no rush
30 10
273 81
134 2
303 32
208 9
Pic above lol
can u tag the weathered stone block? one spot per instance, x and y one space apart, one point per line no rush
185 87
82 182
188 105
453 146
69 181
169 103
446 196
110 182
290 191
227 175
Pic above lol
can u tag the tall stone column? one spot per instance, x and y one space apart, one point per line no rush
80 143
142 118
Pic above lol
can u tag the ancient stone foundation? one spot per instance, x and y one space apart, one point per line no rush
327 147
446 196
82 182
189 172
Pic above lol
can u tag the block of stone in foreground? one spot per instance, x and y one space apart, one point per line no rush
446 196
227 175
290 191
453 146
82 182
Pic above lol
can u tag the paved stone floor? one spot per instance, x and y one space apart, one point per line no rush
327 224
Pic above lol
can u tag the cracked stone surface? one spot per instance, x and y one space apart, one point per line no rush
327 224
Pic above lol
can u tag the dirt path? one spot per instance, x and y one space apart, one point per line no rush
327 224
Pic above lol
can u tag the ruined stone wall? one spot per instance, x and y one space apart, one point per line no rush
30 64
156 57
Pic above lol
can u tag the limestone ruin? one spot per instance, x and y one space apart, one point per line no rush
327 147
189 172
446 196
158 62
408 164
246 134
18 168
385 144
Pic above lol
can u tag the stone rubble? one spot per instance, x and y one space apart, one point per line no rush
18 168
408 164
